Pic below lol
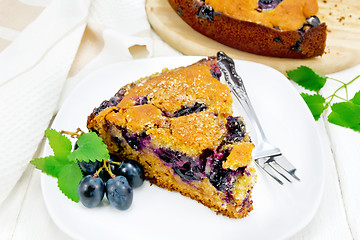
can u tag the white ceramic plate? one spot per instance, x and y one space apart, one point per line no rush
279 211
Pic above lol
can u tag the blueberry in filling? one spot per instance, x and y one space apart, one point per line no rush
206 12
268 4
235 129
119 143
313 21
186 173
215 71
113 101
222 179
135 141
186 110
105 104
186 167
179 11
297 45
278 40
141 100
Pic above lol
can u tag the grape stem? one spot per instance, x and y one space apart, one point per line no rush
75 134
106 166
108 169
113 162
344 85
96 174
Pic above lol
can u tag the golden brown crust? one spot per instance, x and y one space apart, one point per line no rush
252 37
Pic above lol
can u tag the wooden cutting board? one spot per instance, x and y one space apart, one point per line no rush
342 46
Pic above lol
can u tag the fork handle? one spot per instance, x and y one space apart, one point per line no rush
237 87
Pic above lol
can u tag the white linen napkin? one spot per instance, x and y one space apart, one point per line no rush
34 69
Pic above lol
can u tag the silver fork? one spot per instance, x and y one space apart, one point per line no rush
265 154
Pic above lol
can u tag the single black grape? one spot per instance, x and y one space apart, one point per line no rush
133 171
89 168
91 191
119 193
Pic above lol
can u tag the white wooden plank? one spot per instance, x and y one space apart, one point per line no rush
330 221
346 150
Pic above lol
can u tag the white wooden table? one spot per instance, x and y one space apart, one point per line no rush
23 215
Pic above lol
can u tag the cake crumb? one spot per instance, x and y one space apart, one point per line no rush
240 156
340 19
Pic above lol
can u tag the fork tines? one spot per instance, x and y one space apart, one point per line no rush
275 166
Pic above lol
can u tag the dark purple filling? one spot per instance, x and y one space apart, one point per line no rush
246 202
297 45
313 21
179 11
135 141
235 129
141 100
187 110
215 71
186 167
222 179
113 101
278 39
119 143
208 165
268 4
206 12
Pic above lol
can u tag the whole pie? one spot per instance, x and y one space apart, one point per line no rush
277 28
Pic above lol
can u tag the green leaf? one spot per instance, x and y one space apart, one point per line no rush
60 144
69 179
356 98
316 104
49 165
307 78
91 148
346 114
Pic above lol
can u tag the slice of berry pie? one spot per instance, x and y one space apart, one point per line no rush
178 124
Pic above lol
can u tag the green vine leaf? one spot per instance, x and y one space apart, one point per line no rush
316 104
50 165
307 78
90 148
59 143
356 98
346 114
69 179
